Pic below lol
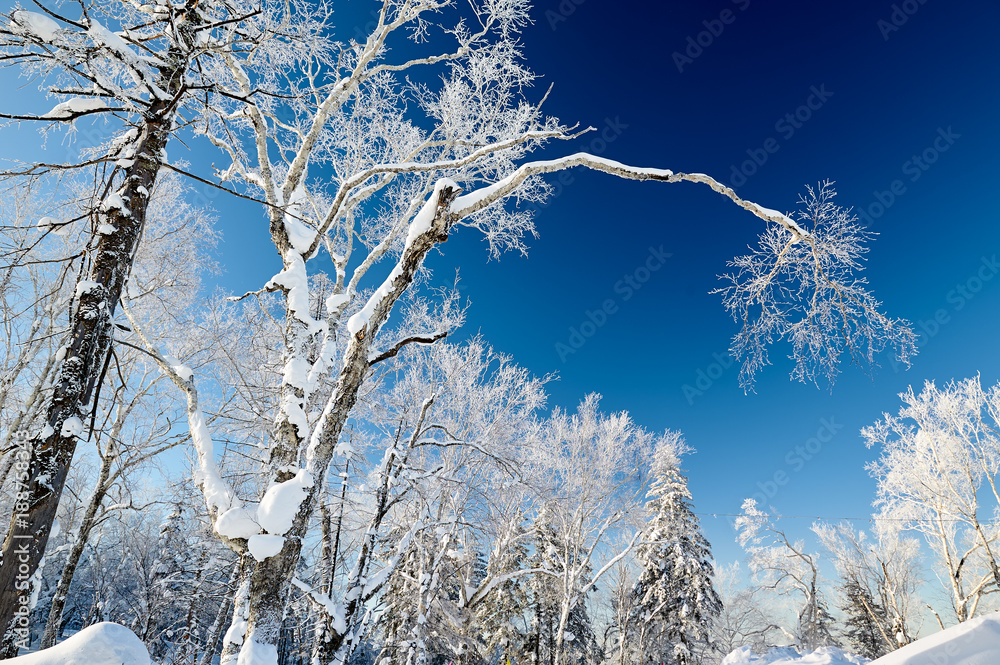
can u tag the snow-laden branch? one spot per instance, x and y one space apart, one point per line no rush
219 496
479 199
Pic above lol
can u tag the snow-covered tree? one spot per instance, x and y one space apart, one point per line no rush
587 473
787 568
405 165
499 617
864 619
879 577
677 598
937 475
132 428
136 65
552 638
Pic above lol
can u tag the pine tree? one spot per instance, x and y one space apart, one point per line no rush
676 598
397 618
582 648
544 594
496 617
580 643
864 616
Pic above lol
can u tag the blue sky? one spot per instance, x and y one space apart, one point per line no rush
885 96
851 91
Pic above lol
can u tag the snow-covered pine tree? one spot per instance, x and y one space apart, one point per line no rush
496 618
547 594
862 628
580 645
397 615
543 593
816 624
676 597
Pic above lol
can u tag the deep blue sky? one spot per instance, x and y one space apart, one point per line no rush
612 61
613 67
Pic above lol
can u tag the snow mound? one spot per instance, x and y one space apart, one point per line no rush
974 642
789 656
101 644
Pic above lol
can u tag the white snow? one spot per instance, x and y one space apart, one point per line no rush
75 106
101 644
789 656
216 490
104 37
255 653
237 522
334 302
72 426
85 286
54 225
106 229
293 279
418 226
974 642
300 236
291 406
114 202
296 372
263 546
183 371
281 502
39 25
422 221
237 629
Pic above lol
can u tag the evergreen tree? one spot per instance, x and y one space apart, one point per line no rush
864 617
496 618
546 595
676 598
397 617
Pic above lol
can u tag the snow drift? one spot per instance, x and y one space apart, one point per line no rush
789 656
974 642
101 644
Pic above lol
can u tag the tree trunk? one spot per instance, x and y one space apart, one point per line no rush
84 357
270 579
54 623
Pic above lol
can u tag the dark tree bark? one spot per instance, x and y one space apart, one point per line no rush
118 221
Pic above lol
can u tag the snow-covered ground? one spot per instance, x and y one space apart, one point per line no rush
101 644
789 656
975 642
